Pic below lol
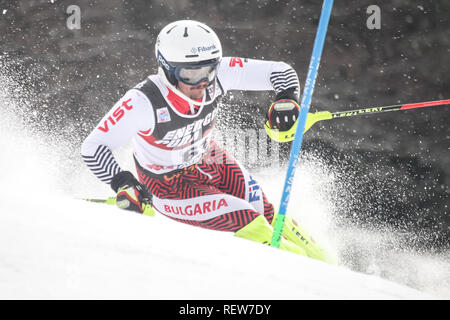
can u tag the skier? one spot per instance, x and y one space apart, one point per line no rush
182 173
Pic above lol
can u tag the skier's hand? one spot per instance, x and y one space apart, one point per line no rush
131 195
282 114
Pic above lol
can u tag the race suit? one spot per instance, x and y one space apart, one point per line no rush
192 179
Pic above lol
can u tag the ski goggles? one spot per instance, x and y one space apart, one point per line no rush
191 73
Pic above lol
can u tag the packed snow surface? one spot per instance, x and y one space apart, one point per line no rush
54 247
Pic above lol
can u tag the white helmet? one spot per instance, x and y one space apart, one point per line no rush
187 51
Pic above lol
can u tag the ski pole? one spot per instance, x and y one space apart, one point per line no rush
147 209
109 200
326 115
305 103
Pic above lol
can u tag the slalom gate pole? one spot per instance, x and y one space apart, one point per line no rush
304 108
326 115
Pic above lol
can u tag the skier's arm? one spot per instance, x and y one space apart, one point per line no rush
248 74
254 75
129 115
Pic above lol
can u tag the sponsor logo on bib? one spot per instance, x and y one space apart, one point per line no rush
162 115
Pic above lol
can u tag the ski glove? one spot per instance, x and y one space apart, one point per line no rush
282 114
131 195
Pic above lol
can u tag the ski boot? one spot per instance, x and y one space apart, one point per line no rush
294 233
261 231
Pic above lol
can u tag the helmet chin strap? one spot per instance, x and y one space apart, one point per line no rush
182 95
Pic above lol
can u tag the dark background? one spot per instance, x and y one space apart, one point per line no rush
394 167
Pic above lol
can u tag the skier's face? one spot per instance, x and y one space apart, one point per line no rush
193 92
